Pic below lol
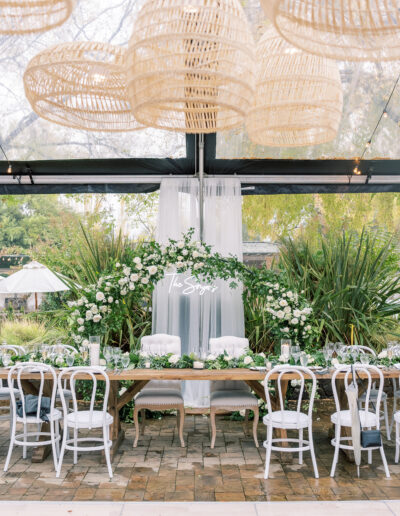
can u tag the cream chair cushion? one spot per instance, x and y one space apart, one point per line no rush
162 344
234 346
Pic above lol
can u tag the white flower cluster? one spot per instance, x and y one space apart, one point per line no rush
287 311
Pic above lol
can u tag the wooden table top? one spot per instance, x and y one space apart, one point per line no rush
198 374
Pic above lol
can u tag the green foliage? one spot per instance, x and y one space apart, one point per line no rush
27 332
349 279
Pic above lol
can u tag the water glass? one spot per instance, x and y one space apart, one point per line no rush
365 358
304 359
6 359
327 355
296 353
125 360
70 359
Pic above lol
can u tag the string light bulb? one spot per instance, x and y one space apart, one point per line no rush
367 144
385 115
356 171
9 169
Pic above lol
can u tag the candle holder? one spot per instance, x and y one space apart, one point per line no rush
286 345
94 350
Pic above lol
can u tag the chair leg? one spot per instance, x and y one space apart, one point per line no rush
181 422
255 425
268 452
10 449
60 459
301 445
53 444
106 439
336 454
143 418
246 421
75 445
385 466
369 456
394 412
386 416
24 447
396 459
314 460
213 427
136 423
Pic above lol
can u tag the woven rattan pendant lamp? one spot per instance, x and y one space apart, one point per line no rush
298 99
81 85
29 16
349 30
190 65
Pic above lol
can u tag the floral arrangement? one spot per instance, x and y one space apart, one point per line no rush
101 308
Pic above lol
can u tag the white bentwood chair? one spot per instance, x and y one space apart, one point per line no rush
45 373
59 349
365 350
290 419
5 410
369 419
85 419
231 395
160 394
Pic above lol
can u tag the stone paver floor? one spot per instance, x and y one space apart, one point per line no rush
159 470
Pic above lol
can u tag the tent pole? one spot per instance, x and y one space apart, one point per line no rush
201 185
36 301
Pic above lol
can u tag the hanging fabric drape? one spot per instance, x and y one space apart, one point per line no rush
177 308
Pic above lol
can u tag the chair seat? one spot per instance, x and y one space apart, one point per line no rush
233 398
81 419
368 420
5 393
286 419
156 397
373 395
56 415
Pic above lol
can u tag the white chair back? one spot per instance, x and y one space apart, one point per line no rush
63 348
365 370
45 372
12 350
91 374
162 344
235 347
298 373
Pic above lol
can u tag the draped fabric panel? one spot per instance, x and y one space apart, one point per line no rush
194 317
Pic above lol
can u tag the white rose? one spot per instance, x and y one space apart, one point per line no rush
94 309
283 359
174 359
311 359
144 281
118 264
152 269
287 309
180 258
131 286
122 281
180 245
285 330
143 354
81 329
261 355
103 309
134 277
123 293
110 299
80 321
227 358
335 361
179 265
195 254
80 302
283 302
198 265
137 260
280 314
211 357
85 342
296 313
247 360
294 321
97 318
59 360
383 354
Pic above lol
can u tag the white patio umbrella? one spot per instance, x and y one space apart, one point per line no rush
33 278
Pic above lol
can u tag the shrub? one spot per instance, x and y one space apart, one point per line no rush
27 332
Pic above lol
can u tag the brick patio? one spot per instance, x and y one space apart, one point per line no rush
159 470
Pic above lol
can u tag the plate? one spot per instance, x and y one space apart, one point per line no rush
315 367
258 368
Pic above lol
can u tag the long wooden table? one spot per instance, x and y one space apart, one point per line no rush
140 377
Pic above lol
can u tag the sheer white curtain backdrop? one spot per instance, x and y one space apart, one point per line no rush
194 317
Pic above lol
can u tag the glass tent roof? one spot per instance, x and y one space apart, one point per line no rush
27 137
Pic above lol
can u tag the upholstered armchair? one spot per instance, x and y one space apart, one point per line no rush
160 394
231 395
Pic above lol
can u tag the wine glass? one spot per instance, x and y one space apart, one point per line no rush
125 360
365 358
296 353
327 354
84 353
70 359
6 359
303 359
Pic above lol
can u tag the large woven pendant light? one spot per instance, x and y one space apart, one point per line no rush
81 85
298 99
190 65
29 16
349 30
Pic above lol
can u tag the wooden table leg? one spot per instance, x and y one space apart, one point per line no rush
115 403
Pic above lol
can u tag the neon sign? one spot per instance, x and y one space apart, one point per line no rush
189 285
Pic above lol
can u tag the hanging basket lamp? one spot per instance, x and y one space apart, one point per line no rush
298 99
81 85
30 16
348 30
190 65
